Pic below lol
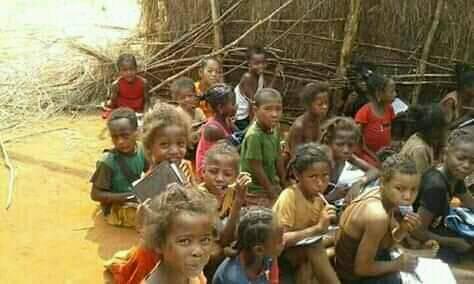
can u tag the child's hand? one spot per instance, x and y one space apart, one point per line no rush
411 221
143 210
241 186
274 192
327 214
408 263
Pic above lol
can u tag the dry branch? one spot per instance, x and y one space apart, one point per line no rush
11 178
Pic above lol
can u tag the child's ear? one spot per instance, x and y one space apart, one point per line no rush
258 250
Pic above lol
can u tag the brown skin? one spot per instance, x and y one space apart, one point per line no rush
223 114
268 116
129 73
458 163
169 144
186 249
124 138
186 99
210 75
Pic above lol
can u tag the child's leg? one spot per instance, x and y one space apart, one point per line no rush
320 264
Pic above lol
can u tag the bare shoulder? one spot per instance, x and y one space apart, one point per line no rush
144 80
116 82
374 213
298 123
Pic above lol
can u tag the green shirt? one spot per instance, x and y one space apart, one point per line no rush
109 176
262 146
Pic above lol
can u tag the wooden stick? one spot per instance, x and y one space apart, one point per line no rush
218 35
11 179
34 134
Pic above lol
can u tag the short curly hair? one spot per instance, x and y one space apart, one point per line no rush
398 164
222 148
167 205
311 91
123 112
163 115
255 227
461 135
338 123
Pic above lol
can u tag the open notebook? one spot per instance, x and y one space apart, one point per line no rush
430 271
350 174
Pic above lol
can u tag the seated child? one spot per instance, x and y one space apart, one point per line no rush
303 214
372 224
430 126
307 127
210 73
375 118
251 82
438 186
260 150
221 99
342 134
180 229
118 169
129 90
259 243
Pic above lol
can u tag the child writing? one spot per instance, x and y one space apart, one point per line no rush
260 150
180 230
375 118
368 228
259 243
342 135
221 99
438 186
210 73
118 169
430 127
252 81
304 213
306 128
129 90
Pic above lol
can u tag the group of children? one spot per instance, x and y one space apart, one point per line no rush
264 210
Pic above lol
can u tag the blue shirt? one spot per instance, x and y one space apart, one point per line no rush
231 272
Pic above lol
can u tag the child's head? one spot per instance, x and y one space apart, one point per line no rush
184 93
381 88
180 228
342 135
429 121
465 80
315 98
259 233
361 72
256 60
312 169
166 132
210 71
221 98
127 66
221 166
122 125
400 180
459 156
268 107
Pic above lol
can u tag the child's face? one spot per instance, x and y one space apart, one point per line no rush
257 63
389 93
128 71
229 109
320 105
188 244
314 179
123 135
343 145
269 114
401 189
169 144
219 173
459 159
361 85
211 73
186 98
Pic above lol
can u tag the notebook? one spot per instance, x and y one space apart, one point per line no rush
350 174
424 273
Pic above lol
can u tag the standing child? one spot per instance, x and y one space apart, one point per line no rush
221 99
358 97
180 230
251 82
375 117
259 243
261 151
129 90
210 73
304 213
118 169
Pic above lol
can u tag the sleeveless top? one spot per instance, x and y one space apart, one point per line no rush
242 101
131 94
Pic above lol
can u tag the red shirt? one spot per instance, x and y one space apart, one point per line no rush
377 130
131 94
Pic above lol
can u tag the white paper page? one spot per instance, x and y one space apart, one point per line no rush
350 175
399 106
432 271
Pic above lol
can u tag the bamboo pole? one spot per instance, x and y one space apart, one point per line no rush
427 48
217 27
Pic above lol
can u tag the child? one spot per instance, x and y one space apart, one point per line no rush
375 117
221 99
306 128
166 132
259 243
260 150
430 127
180 230
303 214
438 186
368 228
358 97
250 83
118 169
129 90
210 73
342 135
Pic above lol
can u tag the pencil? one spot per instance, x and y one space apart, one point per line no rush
323 198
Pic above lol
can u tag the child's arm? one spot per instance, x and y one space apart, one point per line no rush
281 171
246 88
146 94
278 71
101 186
262 179
295 136
371 172
114 91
